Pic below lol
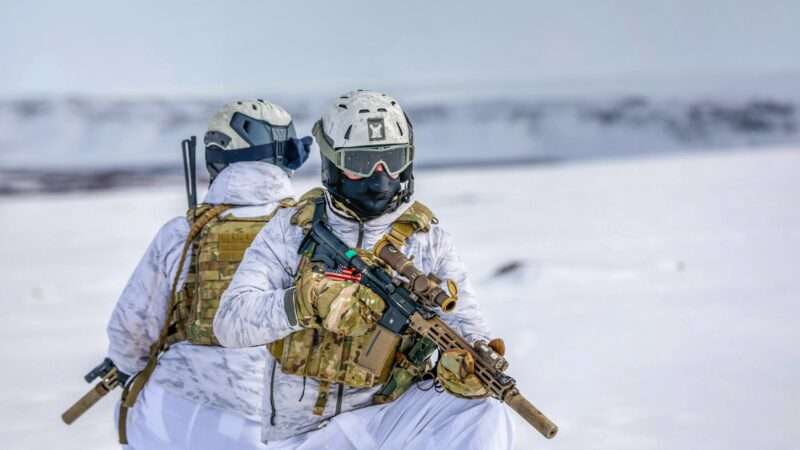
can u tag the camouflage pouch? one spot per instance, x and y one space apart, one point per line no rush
325 356
412 363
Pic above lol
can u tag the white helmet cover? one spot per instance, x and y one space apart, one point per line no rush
363 129
359 132
366 118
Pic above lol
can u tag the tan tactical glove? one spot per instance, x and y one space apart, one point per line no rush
340 306
456 371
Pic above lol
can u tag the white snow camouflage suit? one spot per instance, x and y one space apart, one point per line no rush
252 312
198 396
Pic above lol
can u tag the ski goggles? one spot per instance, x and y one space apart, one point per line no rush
362 161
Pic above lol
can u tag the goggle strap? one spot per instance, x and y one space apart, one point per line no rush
255 153
274 151
324 147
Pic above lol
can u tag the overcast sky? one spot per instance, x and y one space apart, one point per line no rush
215 47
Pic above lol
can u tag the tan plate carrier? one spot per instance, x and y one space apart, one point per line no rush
218 245
331 358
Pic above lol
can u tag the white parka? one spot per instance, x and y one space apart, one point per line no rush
230 379
252 309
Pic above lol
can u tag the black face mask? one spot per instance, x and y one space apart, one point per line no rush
368 197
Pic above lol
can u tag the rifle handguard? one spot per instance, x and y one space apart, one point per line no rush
426 287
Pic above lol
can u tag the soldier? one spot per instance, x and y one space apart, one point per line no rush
317 324
201 395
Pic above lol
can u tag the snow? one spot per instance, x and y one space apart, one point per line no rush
646 303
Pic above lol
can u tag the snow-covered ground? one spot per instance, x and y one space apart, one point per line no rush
646 304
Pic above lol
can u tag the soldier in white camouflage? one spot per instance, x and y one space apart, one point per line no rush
188 392
317 324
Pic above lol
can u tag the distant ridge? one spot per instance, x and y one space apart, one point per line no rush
76 143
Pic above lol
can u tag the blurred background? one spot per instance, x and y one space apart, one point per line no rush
620 176
94 95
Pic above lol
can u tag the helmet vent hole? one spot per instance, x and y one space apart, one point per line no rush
342 106
255 108
238 103
399 128
394 103
381 109
362 111
262 101
347 133
343 97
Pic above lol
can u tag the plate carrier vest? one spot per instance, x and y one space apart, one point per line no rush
218 244
330 358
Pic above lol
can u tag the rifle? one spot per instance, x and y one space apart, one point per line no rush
110 378
410 300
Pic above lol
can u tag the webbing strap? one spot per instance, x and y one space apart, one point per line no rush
319 210
399 233
132 390
416 218
322 397
123 423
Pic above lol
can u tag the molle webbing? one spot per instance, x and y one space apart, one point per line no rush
217 253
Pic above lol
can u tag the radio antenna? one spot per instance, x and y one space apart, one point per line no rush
189 150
